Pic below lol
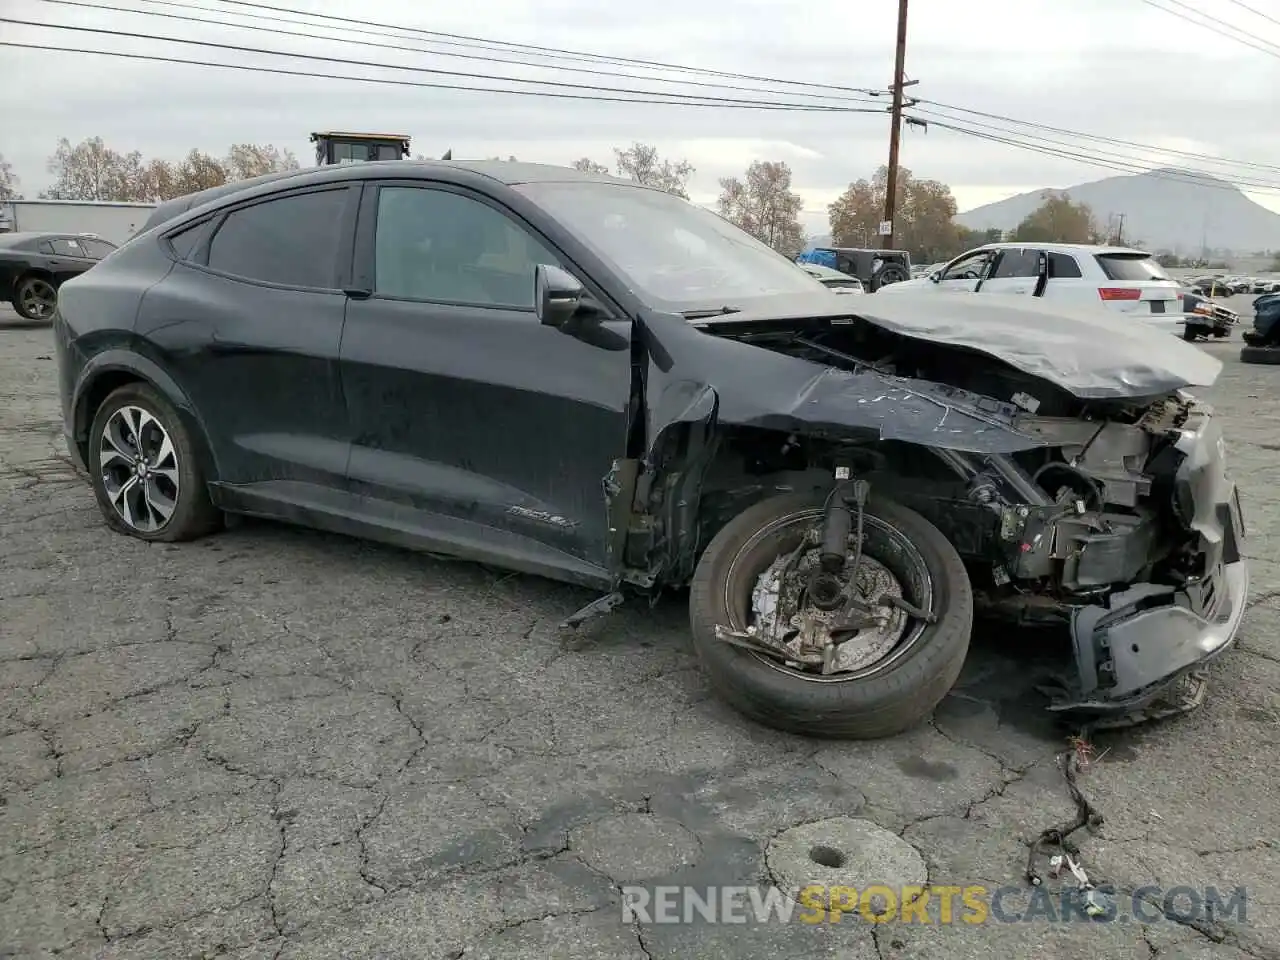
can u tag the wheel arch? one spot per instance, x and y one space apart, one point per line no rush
113 369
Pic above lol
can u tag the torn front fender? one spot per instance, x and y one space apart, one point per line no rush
755 387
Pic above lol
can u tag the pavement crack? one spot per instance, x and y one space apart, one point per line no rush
366 871
281 818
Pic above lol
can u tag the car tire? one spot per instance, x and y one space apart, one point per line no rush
1264 355
895 693
35 298
168 501
890 273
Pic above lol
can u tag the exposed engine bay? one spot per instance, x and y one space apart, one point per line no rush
1117 507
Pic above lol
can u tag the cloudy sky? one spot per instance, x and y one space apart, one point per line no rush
1117 69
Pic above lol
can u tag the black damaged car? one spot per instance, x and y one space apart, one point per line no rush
579 377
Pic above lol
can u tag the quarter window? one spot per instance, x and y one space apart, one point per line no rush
437 245
292 241
1063 267
186 243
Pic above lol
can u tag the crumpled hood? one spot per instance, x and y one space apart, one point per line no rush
1092 353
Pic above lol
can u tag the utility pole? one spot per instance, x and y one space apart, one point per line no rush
895 129
1120 232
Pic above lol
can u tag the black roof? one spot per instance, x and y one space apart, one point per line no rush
509 172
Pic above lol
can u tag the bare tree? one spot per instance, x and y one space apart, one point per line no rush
8 181
765 206
642 164
247 160
587 165
93 171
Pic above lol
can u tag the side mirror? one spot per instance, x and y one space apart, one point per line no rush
936 276
557 295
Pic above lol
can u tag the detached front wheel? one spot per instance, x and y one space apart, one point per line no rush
867 662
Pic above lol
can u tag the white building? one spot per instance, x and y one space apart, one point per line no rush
114 222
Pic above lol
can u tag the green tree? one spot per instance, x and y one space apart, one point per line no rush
1058 220
764 205
587 165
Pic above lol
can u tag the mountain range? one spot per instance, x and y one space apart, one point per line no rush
1166 209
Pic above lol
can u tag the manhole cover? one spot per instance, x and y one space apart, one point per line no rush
846 864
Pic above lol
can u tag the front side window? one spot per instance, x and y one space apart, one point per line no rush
436 245
673 253
292 241
971 266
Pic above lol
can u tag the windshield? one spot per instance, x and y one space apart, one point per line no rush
676 255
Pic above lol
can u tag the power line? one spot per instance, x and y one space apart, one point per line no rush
1256 12
1099 138
551 52
484 57
1270 49
1085 158
387 81
1119 157
704 100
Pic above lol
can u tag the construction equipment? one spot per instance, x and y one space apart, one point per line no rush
340 147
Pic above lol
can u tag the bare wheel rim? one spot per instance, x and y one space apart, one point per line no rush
38 298
139 466
882 541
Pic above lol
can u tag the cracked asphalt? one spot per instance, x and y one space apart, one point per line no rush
275 743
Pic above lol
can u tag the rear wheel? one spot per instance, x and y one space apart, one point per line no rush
883 676
145 472
35 298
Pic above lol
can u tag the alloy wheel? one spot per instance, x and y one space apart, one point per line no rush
38 299
139 465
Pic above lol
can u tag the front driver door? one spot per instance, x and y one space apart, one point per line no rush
1016 271
465 409
965 272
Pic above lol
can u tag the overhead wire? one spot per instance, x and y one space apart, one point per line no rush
552 52
666 96
1150 147
1095 161
1255 11
1186 173
642 98
1270 49
487 57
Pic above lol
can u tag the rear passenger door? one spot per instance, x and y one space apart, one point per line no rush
1015 271
250 320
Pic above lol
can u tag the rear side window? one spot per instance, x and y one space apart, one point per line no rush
99 249
1130 266
67 247
292 241
1063 267
186 243
1018 263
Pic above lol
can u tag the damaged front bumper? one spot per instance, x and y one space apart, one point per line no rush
1136 654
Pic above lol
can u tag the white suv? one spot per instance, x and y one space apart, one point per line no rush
1125 280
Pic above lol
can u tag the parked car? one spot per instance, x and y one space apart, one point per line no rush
580 377
873 268
1128 281
1265 286
34 265
1262 343
1215 287
1205 317
833 279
